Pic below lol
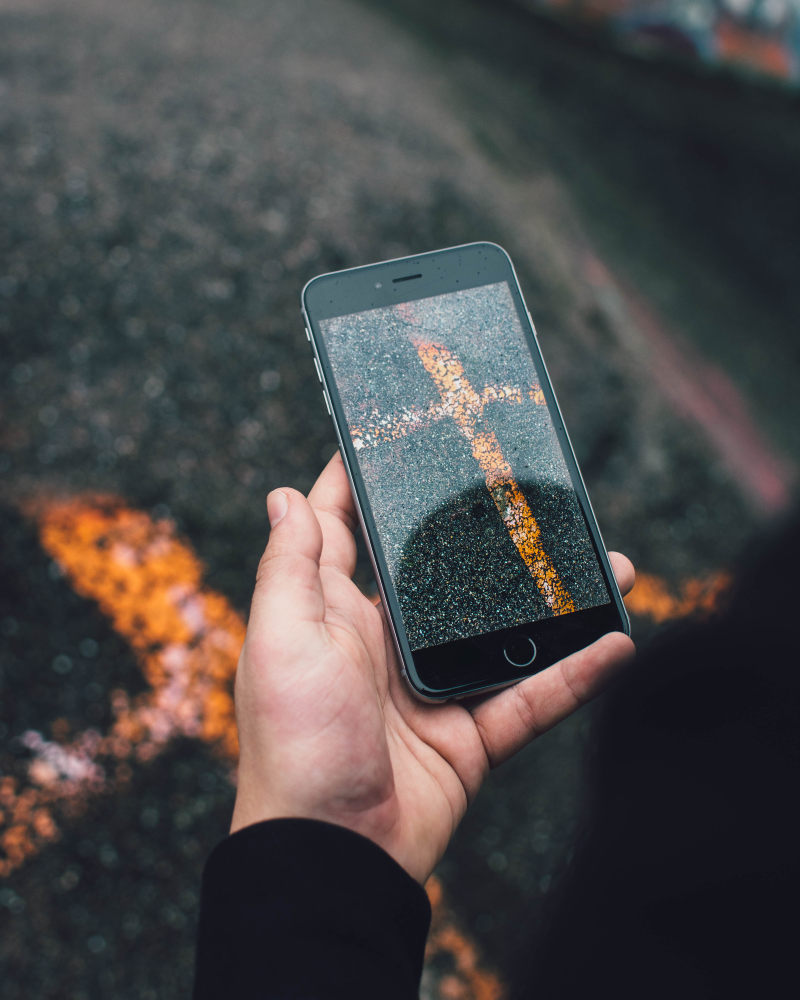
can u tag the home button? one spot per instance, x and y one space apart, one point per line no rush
520 651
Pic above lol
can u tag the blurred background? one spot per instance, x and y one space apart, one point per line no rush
172 173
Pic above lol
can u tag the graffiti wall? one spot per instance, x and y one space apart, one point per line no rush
760 37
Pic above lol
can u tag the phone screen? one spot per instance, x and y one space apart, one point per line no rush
475 508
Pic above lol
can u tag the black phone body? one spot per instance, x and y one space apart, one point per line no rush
485 547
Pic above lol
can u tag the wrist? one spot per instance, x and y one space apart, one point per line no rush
379 824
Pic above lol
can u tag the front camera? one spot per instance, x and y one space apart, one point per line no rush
379 284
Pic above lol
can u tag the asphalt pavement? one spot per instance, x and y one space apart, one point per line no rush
172 174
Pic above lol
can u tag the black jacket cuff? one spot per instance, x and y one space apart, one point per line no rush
299 909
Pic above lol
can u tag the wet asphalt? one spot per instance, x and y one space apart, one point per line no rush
172 173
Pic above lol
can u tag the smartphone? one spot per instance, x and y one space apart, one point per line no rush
485 548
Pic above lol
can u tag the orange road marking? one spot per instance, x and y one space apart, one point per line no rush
652 598
187 640
465 405
412 418
26 823
468 980
149 583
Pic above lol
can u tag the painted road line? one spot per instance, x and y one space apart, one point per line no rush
466 407
652 598
185 637
410 419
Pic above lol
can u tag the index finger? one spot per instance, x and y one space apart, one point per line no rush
333 504
623 571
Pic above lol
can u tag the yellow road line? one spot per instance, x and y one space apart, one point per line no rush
651 597
466 406
467 978
186 638
382 430
149 584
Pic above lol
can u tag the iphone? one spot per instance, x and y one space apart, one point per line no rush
486 551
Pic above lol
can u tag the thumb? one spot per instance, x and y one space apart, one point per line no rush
288 590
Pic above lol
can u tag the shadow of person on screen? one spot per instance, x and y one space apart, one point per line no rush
460 573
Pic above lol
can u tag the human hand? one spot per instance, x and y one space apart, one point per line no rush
328 729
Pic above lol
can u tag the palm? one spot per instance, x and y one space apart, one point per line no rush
338 736
397 770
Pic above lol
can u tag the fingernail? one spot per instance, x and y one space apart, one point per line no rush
277 505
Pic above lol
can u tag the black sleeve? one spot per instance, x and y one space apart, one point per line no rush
688 864
297 909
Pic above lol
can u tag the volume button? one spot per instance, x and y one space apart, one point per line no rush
308 335
327 403
319 370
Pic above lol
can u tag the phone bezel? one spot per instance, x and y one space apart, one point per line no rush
458 668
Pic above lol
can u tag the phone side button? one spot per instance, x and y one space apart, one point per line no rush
308 335
319 370
327 403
